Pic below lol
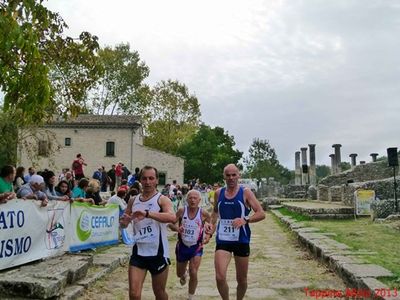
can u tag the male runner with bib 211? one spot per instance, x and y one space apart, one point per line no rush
232 205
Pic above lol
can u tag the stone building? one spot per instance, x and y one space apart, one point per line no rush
102 141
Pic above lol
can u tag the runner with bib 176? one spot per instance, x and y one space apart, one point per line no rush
150 212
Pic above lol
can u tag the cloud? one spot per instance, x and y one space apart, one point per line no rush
292 72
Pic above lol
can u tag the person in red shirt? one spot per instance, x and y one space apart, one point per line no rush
124 185
118 174
77 167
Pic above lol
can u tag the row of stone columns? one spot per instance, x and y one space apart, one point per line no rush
354 159
305 174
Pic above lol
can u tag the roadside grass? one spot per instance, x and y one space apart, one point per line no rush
380 239
298 217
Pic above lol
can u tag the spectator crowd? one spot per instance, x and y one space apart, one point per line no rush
73 185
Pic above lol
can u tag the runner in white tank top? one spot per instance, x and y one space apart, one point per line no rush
149 211
189 247
150 236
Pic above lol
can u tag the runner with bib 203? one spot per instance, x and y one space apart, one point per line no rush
189 248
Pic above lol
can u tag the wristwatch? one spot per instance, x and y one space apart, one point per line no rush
147 213
247 219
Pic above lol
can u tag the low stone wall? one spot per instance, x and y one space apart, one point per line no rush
367 172
345 192
293 191
336 193
312 192
270 189
348 194
383 208
323 192
383 188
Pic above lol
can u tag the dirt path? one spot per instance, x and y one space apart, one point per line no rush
279 269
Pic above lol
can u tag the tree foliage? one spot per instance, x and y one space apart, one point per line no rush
261 150
262 162
75 68
171 117
34 59
322 171
120 88
344 165
207 153
8 134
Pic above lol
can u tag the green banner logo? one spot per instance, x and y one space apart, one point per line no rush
83 228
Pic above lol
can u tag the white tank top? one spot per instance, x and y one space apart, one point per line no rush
192 228
150 235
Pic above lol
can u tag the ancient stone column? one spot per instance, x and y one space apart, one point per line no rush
353 159
312 171
338 159
304 177
333 164
297 170
374 155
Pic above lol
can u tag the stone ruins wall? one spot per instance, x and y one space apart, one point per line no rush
345 192
361 173
293 191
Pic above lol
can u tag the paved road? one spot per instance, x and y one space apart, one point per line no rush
279 269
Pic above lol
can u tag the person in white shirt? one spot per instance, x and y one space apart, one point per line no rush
118 198
150 212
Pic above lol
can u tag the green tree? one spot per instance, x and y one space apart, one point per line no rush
8 134
262 162
344 165
207 153
32 46
74 70
120 88
322 171
171 117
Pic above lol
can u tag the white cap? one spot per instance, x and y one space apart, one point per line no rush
36 179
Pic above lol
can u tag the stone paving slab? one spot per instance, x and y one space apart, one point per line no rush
94 275
106 260
382 291
64 277
72 292
313 236
306 229
342 259
31 287
104 263
44 279
366 270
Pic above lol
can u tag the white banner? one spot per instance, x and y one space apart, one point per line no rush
93 226
29 232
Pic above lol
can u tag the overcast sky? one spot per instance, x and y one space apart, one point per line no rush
292 72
